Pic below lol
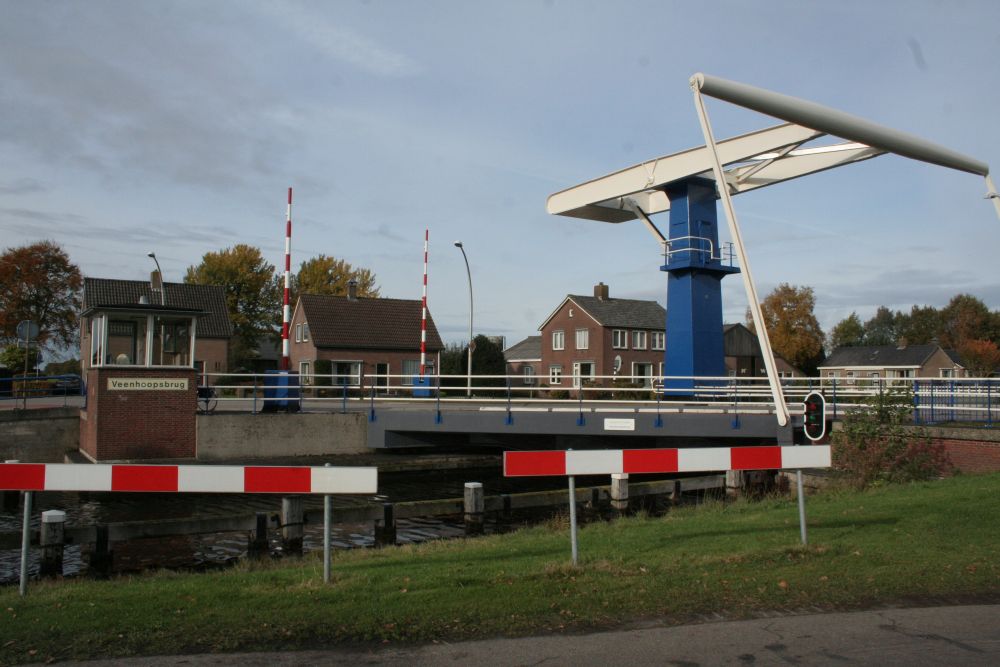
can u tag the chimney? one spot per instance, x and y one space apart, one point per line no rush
352 290
902 343
601 291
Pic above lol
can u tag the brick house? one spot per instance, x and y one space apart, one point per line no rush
867 362
126 345
594 336
743 357
587 337
361 337
525 360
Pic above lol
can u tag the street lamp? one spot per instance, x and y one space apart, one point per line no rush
468 390
159 272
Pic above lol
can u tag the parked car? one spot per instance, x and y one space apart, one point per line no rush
64 385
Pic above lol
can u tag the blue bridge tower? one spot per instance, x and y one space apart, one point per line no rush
695 268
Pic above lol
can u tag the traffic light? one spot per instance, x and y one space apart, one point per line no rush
814 416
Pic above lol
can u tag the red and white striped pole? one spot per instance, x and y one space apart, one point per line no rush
423 313
286 311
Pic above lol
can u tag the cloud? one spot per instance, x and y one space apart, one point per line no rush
338 42
21 186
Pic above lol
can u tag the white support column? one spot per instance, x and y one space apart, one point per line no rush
991 192
780 408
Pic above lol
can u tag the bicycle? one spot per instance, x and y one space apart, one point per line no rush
207 400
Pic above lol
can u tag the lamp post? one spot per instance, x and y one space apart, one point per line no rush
468 273
163 287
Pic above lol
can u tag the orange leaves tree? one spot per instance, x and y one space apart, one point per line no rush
38 282
792 326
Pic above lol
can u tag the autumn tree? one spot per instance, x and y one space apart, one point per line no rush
965 318
251 293
792 326
329 275
38 282
980 357
849 332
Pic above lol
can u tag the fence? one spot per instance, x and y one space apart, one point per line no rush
968 400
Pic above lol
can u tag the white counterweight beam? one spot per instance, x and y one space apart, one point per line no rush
834 122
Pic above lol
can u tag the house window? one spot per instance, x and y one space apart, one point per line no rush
850 377
659 340
643 372
582 339
619 339
305 332
298 333
555 374
638 340
411 367
947 372
529 374
583 371
346 373
305 373
558 340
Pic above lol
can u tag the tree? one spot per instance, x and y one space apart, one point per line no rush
965 318
251 293
792 326
877 443
849 332
981 357
881 329
39 283
329 275
921 326
12 357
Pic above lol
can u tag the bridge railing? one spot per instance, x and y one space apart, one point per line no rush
933 400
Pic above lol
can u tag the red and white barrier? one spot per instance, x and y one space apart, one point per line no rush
701 459
187 478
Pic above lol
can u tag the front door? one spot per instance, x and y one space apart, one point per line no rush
381 379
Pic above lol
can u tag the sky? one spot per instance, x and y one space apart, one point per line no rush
177 127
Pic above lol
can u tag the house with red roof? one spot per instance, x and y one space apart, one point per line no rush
361 337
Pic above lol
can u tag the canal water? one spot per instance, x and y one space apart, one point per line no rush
219 549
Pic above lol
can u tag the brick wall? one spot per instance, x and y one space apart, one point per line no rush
135 424
971 456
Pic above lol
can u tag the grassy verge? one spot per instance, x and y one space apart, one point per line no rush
916 541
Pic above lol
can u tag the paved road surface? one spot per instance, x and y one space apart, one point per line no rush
966 635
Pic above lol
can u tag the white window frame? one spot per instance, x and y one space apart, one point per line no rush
305 373
305 332
582 336
948 373
658 340
619 339
639 340
298 333
529 374
578 378
559 340
555 374
647 379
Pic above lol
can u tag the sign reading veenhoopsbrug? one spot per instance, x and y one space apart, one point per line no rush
147 384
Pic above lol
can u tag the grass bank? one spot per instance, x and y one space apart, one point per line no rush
894 543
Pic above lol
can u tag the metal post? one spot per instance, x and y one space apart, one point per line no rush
327 520
572 517
802 507
25 541
472 344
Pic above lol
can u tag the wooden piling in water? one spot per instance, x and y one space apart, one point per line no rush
292 524
385 531
257 544
619 493
101 558
52 541
475 505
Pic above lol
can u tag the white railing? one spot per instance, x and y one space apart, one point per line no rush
934 400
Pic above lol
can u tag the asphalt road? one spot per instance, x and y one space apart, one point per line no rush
961 635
